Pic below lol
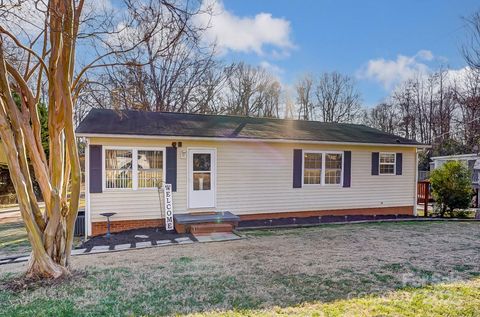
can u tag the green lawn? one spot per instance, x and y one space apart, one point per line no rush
452 299
389 269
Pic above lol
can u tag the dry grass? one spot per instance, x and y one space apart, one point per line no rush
13 239
284 268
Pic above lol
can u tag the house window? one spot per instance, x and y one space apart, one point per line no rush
118 169
312 168
333 168
387 163
150 168
322 168
133 168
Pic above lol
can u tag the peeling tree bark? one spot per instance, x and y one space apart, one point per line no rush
50 232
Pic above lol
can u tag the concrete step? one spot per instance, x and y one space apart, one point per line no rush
206 228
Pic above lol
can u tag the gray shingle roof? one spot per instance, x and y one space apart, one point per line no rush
103 121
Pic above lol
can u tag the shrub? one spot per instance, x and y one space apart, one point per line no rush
451 187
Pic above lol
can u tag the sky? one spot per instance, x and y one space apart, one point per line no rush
379 43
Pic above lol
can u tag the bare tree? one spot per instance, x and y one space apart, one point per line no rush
48 64
383 117
445 107
467 95
167 71
304 90
337 98
471 50
289 111
251 91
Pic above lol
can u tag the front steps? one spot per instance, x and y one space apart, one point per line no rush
207 228
206 222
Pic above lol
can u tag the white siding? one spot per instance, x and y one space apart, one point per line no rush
256 177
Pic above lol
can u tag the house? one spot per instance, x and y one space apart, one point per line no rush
256 168
472 161
467 159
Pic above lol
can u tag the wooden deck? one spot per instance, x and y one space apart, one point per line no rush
424 195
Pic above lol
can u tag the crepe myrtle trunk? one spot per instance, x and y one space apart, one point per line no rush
50 231
49 71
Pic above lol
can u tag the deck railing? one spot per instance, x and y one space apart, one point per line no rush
423 195
423 175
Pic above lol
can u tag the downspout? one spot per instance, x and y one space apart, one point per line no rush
88 224
415 181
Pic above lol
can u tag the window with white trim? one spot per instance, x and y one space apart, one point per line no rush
387 163
312 168
322 168
118 169
133 168
333 168
150 168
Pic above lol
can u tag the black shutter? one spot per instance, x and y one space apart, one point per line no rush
399 164
297 168
171 163
347 168
375 162
95 168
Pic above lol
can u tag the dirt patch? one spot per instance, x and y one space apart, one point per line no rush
23 283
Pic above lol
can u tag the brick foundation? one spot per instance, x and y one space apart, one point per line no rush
99 228
401 210
116 226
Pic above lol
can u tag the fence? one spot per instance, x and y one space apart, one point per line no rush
423 175
8 199
80 225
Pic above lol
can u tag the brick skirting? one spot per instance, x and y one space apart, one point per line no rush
401 210
122 225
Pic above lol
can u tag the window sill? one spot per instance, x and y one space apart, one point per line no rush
322 185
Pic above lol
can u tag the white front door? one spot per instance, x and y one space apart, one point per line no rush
201 178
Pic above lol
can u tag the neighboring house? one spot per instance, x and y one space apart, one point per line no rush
256 168
467 159
472 161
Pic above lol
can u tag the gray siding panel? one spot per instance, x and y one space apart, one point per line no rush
171 167
347 168
399 164
297 168
95 169
375 163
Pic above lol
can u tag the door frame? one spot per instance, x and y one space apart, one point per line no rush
213 175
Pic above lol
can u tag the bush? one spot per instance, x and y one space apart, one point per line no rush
451 187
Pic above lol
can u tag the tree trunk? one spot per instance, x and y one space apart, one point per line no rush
50 231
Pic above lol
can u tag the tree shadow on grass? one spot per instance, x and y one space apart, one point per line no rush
13 239
124 291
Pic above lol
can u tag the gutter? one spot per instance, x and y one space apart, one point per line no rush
218 139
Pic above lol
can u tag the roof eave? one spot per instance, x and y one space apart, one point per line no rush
459 156
164 137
